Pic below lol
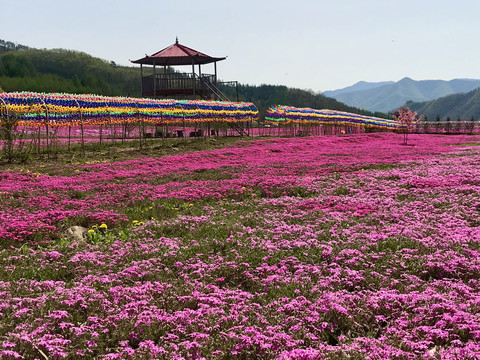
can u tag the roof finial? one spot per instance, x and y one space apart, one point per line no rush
176 40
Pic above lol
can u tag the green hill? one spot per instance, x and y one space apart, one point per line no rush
463 105
60 70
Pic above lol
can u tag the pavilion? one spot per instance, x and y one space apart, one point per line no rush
163 84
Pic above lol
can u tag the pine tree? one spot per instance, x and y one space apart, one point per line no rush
426 125
448 125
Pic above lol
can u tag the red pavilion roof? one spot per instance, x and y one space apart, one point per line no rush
177 54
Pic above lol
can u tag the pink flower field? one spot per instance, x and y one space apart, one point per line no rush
353 247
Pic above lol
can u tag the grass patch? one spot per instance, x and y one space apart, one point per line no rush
466 144
341 191
381 166
394 244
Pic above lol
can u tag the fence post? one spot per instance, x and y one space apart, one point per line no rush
81 124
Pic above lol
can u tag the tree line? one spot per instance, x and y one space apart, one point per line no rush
62 70
264 96
447 126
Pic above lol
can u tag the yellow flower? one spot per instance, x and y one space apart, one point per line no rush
91 231
135 222
103 226
190 204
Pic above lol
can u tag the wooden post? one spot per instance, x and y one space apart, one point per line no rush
165 82
39 129
193 76
141 79
215 67
200 77
46 129
154 81
163 127
139 131
81 126
215 78
184 128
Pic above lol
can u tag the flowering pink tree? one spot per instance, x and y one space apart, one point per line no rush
407 119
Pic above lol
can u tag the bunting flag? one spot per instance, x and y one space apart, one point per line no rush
62 109
281 114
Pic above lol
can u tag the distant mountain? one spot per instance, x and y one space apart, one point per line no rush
359 86
463 105
390 96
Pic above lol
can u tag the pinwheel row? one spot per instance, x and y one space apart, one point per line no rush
62 109
281 114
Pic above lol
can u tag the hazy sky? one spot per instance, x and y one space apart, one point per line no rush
318 45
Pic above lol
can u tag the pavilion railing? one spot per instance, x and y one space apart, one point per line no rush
177 84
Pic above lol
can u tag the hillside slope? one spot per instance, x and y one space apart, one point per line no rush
463 105
66 71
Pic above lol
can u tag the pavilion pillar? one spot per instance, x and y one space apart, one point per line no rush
200 78
165 83
154 81
141 79
193 76
215 77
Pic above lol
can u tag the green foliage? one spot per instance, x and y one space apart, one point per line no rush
16 66
264 96
100 235
60 70
463 105
13 149
40 83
